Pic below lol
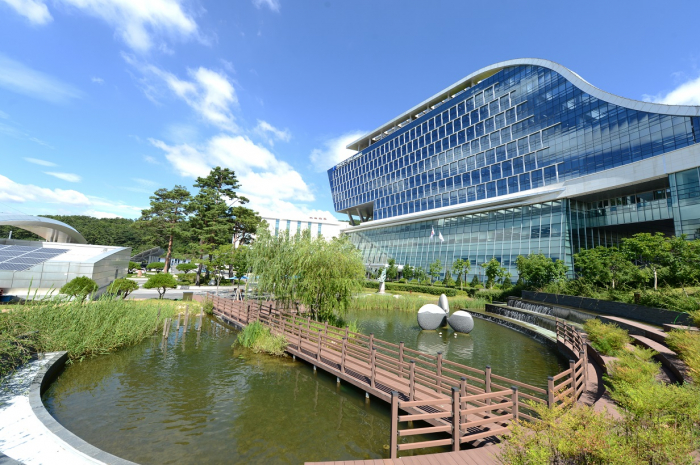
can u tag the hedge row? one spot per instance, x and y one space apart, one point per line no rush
449 292
487 294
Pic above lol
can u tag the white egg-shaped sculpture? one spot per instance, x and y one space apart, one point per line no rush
443 303
461 321
430 316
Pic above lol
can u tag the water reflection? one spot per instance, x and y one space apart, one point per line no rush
193 399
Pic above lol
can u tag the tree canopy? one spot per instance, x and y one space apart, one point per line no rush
321 274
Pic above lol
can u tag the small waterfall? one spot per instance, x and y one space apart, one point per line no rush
541 321
539 308
572 315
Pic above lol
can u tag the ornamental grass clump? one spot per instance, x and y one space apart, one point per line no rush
658 423
258 338
687 345
608 339
83 329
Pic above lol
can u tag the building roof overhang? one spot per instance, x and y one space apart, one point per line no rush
50 230
483 73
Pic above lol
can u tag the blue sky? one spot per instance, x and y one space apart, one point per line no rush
104 101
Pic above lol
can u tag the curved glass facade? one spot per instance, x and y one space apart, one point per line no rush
520 129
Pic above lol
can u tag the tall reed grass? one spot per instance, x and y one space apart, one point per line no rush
83 329
410 303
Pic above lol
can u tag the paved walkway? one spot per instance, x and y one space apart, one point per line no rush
480 456
22 436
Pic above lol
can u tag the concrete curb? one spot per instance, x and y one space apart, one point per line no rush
45 376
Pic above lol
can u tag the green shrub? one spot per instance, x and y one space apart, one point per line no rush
433 290
208 306
632 368
606 338
161 282
79 287
158 266
122 287
402 281
687 345
258 338
695 317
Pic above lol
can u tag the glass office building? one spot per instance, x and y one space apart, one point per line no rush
520 157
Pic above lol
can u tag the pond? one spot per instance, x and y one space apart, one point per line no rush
198 400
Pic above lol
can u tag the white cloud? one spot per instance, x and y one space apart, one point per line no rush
100 214
151 160
138 22
97 80
37 161
273 5
70 177
271 133
4 115
687 93
209 93
11 191
264 179
333 151
35 11
19 78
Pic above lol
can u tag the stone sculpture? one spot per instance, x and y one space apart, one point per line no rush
430 317
443 303
461 321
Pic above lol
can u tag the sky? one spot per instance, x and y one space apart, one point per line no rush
104 101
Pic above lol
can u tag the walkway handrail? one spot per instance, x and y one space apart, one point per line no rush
469 403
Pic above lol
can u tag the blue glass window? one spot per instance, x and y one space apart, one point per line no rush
512 184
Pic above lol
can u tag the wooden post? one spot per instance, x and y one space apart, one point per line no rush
456 431
462 390
308 323
318 349
487 382
165 325
412 381
371 342
325 328
572 367
167 328
342 355
201 319
550 392
373 366
438 370
299 345
347 332
393 446
515 402
178 321
187 319
401 359
584 366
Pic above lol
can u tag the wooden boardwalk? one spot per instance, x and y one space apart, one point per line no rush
470 406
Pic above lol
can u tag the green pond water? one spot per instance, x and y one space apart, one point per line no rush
197 400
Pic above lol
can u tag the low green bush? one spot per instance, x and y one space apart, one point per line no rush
606 338
402 281
658 423
122 287
258 338
433 290
79 288
695 317
687 345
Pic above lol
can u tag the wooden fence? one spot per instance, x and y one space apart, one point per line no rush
468 403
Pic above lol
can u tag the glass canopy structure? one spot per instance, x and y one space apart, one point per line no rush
520 157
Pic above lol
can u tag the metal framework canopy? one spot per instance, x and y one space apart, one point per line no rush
50 230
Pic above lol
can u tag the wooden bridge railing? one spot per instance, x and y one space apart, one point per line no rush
434 389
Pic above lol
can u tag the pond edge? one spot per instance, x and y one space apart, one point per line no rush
42 380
